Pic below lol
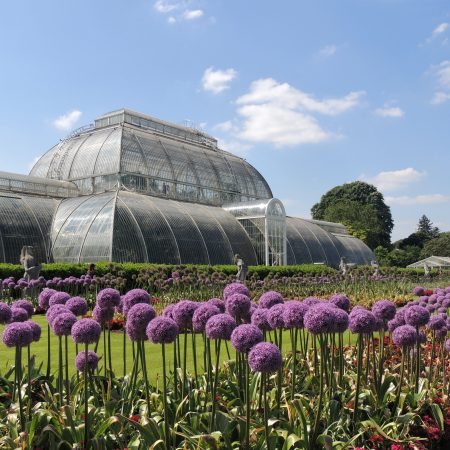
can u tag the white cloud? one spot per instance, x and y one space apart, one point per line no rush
441 28
440 97
417 200
225 126
327 51
165 7
67 121
216 81
234 146
395 179
389 111
442 74
192 14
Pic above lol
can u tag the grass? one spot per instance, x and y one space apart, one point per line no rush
153 352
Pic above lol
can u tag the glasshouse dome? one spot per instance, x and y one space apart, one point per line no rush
133 188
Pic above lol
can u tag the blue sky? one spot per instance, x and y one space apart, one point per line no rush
312 93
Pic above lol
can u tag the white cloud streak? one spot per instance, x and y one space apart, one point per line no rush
390 111
327 51
165 7
217 81
67 121
192 14
394 180
406 200
442 74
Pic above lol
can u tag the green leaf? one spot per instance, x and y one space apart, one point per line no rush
436 411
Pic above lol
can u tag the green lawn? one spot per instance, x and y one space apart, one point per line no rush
153 352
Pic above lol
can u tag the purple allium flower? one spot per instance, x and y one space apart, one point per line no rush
119 307
17 334
18 315
54 310
92 360
220 326
259 318
361 321
442 310
341 301
446 302
275 316
162 330
293 314
235 288
62 324
44 297
418 290
138 318
393 324
102 315
58 298
77 306
441 333
436 322
134 297
340 320
167 311
269 299
35 330
248 317
404 336
320 318
238 305
24 304
426 299
86 331
244 337
202 315
384 310
417 316
183 312
447 345
422 337
217 302
5 313
108 298
312 301
265 357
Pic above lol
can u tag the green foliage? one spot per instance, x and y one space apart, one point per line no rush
425 227
439 246
398 257
360 204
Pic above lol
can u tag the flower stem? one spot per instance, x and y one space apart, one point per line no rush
166 413
358 377
86 395
216 381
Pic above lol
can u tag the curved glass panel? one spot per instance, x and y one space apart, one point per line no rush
356 251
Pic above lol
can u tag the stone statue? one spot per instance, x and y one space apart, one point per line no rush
30 263
376 266
427 270
343 266
242 268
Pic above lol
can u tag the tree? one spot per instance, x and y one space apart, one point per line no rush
425 228
439 246
370 214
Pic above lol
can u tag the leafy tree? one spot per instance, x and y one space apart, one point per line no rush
398 257
439 246
370 214
425 227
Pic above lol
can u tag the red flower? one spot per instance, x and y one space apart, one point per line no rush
135 418
376 439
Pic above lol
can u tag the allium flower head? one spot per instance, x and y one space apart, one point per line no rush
436 322
58 298
393 324
384 310
265 358
235 288
35 330
62 324
447 345
320 318
220 326
202 314
361 321
341 301
108 298
86 331
17 334
245 336
238 305
167 311
119 307
217 302
275 316
183 312
134 297
404 336
340 320
259 318
5 313
138 318
24 304
92 360
77 306
441 333
18 315
417 316
312 301
293 314
418 290
162 330
269 299
54 310
102 315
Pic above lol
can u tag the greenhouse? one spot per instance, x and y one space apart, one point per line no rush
134 188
